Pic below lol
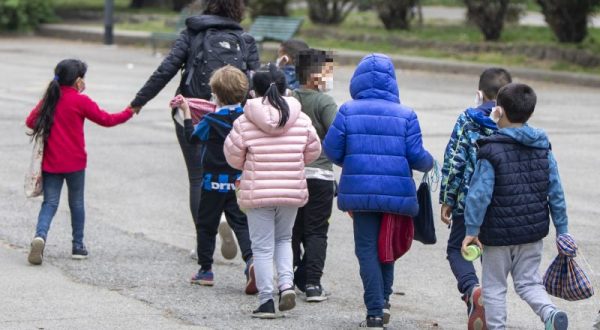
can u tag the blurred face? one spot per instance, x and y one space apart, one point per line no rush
323 80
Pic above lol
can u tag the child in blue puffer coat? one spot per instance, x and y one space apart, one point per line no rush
377 142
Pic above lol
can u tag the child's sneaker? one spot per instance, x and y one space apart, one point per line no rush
265 311
228 246
203 277
287 299
386 313
372 322
79 252
250 278
475 309
36 253
558 321
315 293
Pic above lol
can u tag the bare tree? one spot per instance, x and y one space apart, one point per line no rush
488 15
568 18
396 14
330 11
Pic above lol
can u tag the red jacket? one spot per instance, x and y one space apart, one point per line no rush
64 151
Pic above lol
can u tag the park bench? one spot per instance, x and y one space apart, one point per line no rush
157 37
274 28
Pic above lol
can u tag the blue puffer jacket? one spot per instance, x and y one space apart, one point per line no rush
377 141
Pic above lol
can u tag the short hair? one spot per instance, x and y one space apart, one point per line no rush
518 102
229 84
292 47
233 9
491 80
311 61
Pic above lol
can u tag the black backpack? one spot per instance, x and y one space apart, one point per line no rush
211 50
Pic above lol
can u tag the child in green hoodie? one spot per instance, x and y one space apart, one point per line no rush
314 69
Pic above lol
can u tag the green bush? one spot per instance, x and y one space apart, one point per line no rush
568 18
20 15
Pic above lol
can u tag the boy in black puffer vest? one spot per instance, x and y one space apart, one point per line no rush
514 191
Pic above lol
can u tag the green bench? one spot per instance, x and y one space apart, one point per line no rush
157 37
274 28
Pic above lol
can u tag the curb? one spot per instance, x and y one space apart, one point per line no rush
344 57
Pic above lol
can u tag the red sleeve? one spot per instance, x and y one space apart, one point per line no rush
33 115
92 111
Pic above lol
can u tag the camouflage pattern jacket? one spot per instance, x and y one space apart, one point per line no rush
461 155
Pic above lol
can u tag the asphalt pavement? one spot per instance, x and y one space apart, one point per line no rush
139 230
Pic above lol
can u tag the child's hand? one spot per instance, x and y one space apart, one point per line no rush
446 215
471 240
181 102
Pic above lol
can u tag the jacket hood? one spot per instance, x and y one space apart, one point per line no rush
528 136
375 78
266 117
481 115
205 22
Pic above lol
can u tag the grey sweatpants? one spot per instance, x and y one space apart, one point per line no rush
271 235
523 263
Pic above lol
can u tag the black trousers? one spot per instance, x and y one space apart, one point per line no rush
193 159
212 205
310 233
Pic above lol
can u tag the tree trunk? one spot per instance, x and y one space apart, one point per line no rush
396 14
330 11
268 7
568 19
488 16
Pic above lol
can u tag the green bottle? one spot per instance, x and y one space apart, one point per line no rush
473 252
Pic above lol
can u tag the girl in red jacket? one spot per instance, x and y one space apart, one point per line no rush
58 120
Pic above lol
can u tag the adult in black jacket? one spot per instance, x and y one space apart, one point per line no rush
219 15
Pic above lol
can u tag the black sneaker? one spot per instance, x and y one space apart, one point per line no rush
287 299
265 311
79 252
315 293
36 254
372 322
386 313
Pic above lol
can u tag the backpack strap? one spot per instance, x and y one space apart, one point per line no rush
196 44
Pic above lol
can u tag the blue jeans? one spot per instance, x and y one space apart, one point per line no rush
377 278
463 270
52 186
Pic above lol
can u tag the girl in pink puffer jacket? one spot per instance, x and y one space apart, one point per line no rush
271 142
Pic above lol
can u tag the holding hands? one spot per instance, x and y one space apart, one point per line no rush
181 102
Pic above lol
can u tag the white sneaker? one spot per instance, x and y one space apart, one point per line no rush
228 245
36 254
193 254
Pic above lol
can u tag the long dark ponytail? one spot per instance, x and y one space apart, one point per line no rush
270 83
65 74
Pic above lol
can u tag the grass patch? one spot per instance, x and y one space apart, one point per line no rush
449 32
530 4
88 4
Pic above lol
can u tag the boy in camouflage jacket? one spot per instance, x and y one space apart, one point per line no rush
459 164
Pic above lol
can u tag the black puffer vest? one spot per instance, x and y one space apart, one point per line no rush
518 212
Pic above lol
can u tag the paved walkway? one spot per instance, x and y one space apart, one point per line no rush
139 231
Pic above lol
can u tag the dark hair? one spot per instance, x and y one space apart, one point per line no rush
310 61
491 80
233 9
270 83
65 74
292 47
518 102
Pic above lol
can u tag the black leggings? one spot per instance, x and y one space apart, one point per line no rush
192 156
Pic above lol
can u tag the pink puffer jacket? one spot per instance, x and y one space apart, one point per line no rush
272 158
